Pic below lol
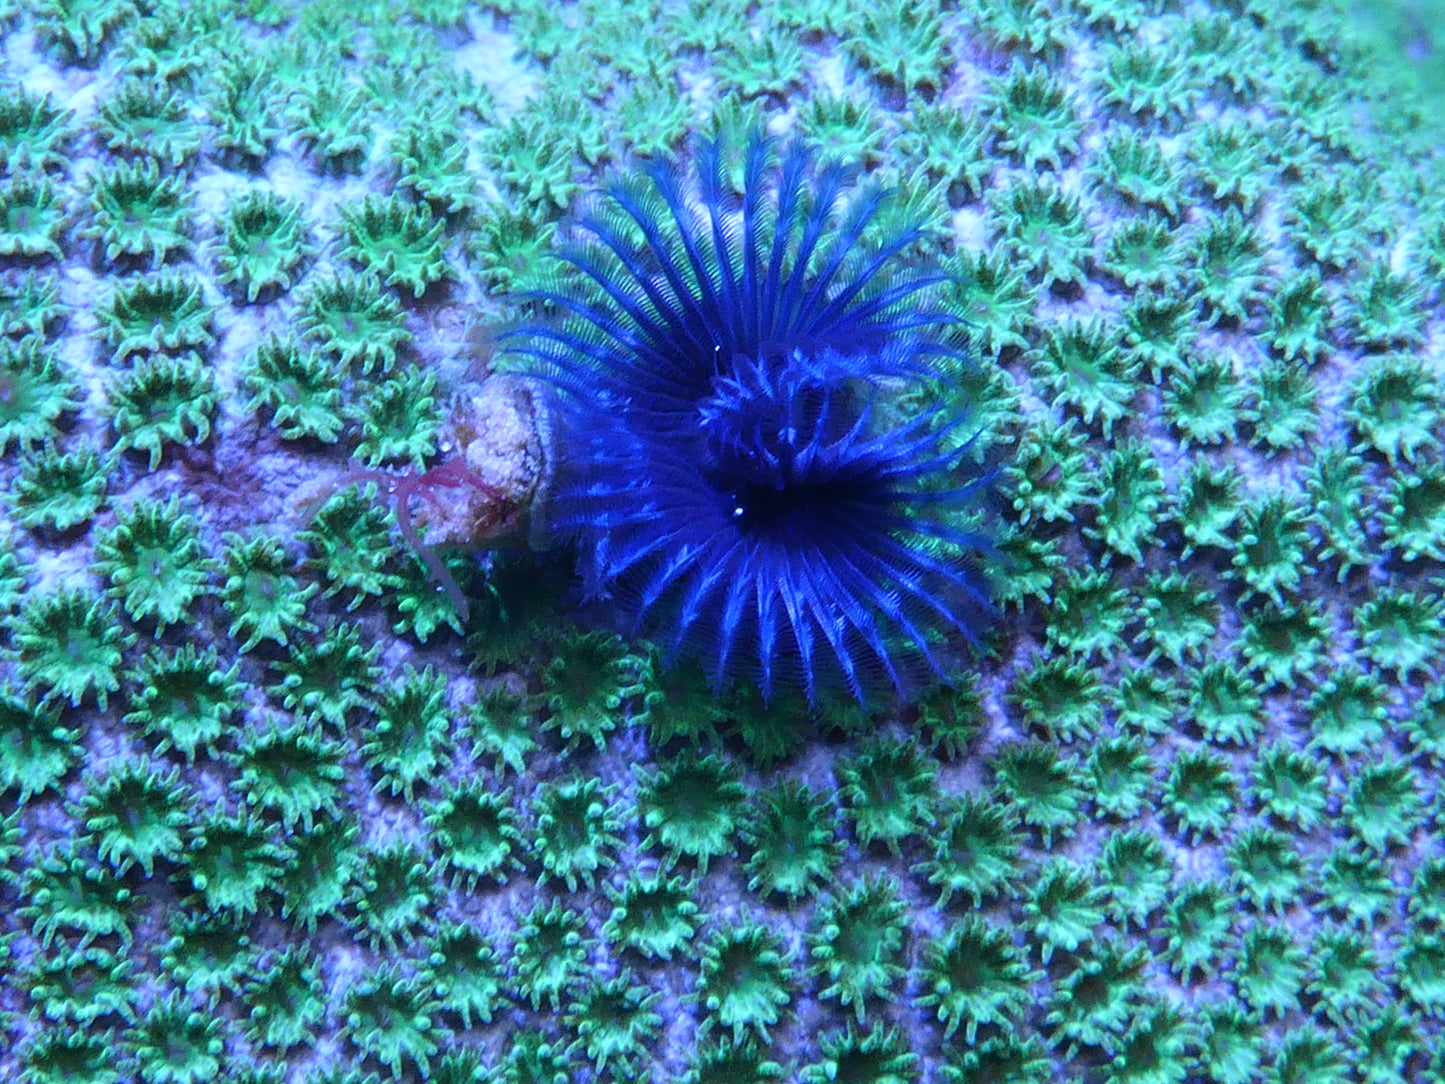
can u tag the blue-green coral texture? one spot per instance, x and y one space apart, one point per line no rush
272 810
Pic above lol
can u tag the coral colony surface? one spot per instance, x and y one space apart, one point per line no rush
716 542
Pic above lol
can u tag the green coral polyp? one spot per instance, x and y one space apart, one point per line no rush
265 601
745 982
155 562
431 161
1384 308
998 301
691 807
170 45
407 745
1137 871
616 1021
159 313
1045 230
1063 908
32 218
1197 919
163 401
34 131
1156 327
1040 786
1141 254
81 986
1120 771
588 684
1132 490
1134 166
59 491
287 1004
475 829
1033 119
178 1042
1091 615
1285 644
32 308
577 825
846 122
265 243
1271 969
137 213
900 42
392 897
1290 786
183 699
399 420
400 241
1394 408
36 393
1092 1004
948 143
37 750
80 30
67 890
1300 319
244 125
1146 81
146 117
355 319
1401 630
68 644
1413 517
1203 401
1229 159
549 953
1266 868
1181 617
466 975
135 814
793 833
1060 697
1201 792
329 679
388 1020
330 116
232 861
654 916
291 773
1228 260
1048 474
1285 409
1087 373
857 945
512 246
299 388
1383 805
325 862
974 977
350 543
888 792
1225 702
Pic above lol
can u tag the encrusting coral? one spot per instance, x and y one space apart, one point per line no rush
371 709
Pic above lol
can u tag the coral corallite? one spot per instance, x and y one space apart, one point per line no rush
761 460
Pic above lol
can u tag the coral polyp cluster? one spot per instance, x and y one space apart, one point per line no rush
333 334
761 460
